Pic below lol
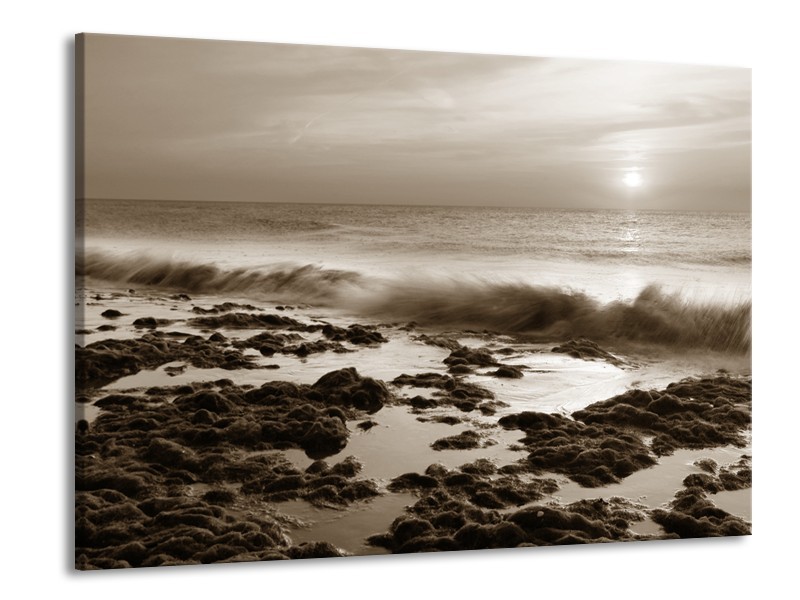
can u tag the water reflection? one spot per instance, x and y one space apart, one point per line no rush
630 235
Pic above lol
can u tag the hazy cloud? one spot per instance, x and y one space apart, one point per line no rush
190 119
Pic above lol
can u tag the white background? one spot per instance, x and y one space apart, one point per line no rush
37 270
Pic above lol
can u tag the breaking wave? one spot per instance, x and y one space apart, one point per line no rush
308 283
653 317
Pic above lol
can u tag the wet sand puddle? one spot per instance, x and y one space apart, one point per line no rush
346 529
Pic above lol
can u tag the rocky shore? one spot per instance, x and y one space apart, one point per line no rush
198 472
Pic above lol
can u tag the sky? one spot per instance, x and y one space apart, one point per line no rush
176 119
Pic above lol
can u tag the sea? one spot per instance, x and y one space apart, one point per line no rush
668 293
680 279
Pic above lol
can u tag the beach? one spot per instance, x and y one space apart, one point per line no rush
258 382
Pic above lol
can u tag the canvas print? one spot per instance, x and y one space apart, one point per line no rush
340 301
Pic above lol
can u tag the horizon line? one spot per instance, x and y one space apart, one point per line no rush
285 203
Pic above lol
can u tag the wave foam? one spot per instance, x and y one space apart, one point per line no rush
653 317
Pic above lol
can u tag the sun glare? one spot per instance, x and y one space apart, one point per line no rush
632 179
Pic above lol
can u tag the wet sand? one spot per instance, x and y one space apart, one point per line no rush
210 431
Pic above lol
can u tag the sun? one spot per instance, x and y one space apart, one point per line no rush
632 179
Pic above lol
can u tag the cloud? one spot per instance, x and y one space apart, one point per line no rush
194 119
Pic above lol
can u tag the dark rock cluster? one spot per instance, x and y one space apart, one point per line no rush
222 308
602 443
239 320
591 455
466 509
269 343
736 476
587 350
692 513
463 360
102 362
150 323
449 391
462 441
693 413
140 463
359 335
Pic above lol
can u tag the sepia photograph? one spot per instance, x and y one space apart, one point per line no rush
336 301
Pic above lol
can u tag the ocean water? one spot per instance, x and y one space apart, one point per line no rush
667 292
674 278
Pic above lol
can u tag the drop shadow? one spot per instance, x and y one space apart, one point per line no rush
72 310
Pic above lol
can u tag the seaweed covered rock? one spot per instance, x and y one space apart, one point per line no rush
276 415
476 483
324 486
584 349
112 533
346 387
694 413
134 504
150 323
692 515
315 550
736 476
208 400
360 335
507 372
422 403
589 455
219 308
462 441
140 463
454 519
238 320
104 361
412 481
450 391
268 342
548 525
480 357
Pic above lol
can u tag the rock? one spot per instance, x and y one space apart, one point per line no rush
148 322
422 403
584 349
240 320
463 355
462 441
412 481
508 372
211 401
695 413
346 387
314 550
590 455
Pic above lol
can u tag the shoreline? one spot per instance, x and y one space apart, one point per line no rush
150 443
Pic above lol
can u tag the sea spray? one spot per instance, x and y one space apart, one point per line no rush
306 283
456 301
653 317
